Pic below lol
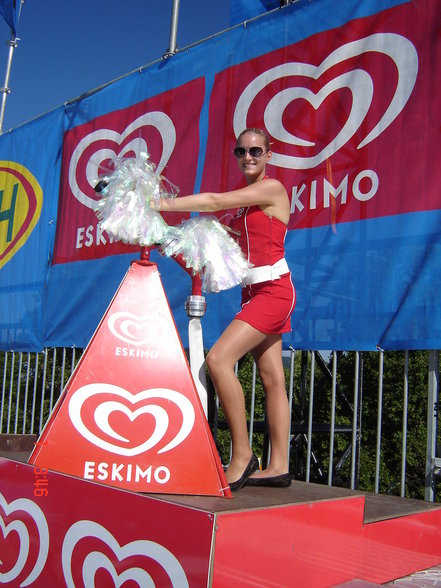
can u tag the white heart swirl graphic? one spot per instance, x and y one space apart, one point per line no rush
159 120
142 549
397 47
360 85
20 528
133 329
96 561
35 512
107 407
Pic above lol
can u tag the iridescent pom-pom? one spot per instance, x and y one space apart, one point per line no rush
125 195
208 250
126 212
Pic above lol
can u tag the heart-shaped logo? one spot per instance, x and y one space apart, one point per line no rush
359 82
141 551
18 525
133 329
137 145
116 401
21 199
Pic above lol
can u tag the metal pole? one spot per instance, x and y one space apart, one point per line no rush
355 419
5 90
433 463
310 418
404 425
195 307
173 30
379 423
332 430
290 395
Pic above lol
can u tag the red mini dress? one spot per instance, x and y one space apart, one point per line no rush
266 306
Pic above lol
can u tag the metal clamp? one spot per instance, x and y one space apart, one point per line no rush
195 306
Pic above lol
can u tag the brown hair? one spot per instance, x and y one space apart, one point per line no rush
256 132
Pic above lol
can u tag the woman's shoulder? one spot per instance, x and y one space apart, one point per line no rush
273 185
272 181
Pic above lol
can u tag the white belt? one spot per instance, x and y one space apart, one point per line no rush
266 273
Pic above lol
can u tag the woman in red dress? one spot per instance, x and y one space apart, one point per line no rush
268 299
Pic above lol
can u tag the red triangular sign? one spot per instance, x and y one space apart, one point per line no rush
130 415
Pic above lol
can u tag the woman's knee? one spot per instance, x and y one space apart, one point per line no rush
213 360
218 362
272 380
210 360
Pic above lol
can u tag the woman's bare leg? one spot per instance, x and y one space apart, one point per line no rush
268 357
238 339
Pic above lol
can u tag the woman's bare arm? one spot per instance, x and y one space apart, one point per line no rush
264 193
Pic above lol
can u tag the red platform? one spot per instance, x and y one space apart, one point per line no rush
58 530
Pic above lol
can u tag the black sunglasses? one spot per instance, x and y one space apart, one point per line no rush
255 152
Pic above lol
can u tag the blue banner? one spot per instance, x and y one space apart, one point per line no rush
351 105
241 10
369 285
29 180
9 11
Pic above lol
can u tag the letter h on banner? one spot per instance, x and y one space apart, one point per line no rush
8 214
130 416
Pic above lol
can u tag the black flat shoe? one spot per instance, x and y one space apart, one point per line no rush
282 481
252 466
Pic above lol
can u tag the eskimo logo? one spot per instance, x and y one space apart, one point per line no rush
122 146
359 83
27 563
152 559
109 406
132 329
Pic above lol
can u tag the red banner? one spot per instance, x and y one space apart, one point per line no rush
345 110
162 126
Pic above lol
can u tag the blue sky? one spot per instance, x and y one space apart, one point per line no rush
67 48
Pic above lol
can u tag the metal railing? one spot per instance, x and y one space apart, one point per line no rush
366 421
31 385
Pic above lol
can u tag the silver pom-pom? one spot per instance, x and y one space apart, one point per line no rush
124 207
209 250
127 212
